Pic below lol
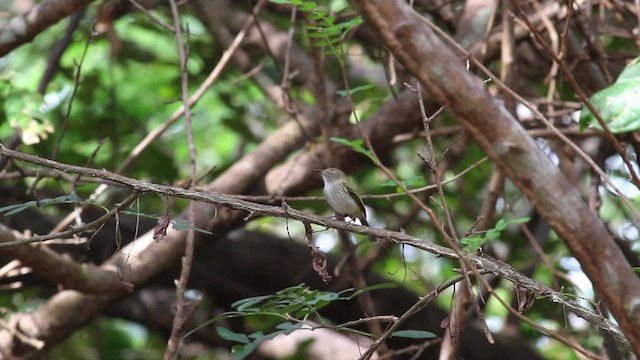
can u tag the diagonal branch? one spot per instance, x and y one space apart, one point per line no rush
23 28
505 141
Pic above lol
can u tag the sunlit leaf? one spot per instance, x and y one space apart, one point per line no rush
618 104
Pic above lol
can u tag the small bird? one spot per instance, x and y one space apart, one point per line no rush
341 196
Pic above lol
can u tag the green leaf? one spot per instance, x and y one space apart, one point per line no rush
317 34
618 104
350 24
344 93
631 72
298 301
327 41
297 308
289 327
248 303
414 334
307 6
239 352
521 220
183 224
501 224
387 285
350 143
355 145
232 336
63 199
321 15
492 234
472 243
14 209
285 325
256 335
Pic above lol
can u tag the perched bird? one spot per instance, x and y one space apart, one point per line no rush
341 196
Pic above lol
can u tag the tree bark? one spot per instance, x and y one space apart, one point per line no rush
506 142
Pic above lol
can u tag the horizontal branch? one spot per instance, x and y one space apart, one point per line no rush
57 268
487 263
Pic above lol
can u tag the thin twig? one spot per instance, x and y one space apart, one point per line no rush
453 242
183 310
152 17
65 120
414 309
586 158
193 100
77 230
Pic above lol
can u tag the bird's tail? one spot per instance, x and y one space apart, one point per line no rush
364 222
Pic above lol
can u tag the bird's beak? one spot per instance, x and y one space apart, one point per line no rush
317 170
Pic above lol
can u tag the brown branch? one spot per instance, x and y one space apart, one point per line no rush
57 268
482 262
502 138
23 28
184 307
152 17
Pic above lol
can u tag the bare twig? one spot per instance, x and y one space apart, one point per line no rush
359 282
419 305
152 17
183 311
77 230
65 120
453 241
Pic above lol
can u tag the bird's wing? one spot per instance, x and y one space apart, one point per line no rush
356 197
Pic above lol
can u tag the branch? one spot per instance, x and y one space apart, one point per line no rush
483 262
57 268
23 28
505 141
